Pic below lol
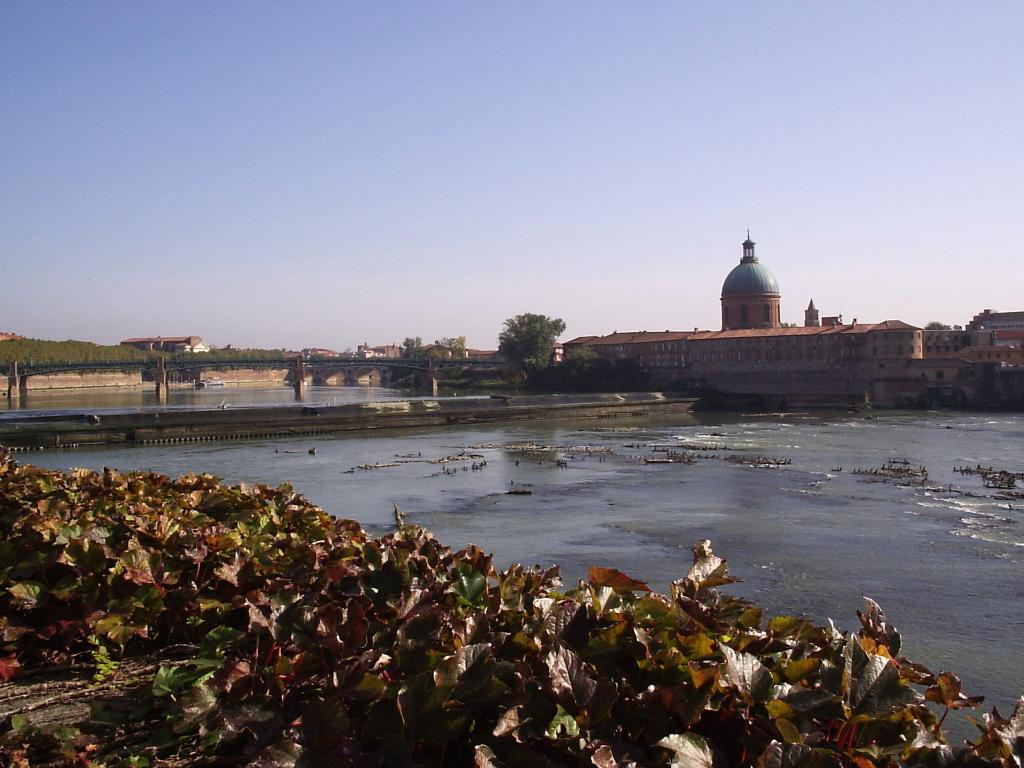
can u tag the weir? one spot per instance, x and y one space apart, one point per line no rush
282 421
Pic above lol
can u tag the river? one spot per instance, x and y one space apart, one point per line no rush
808 537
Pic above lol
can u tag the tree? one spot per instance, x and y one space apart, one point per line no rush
412 347
453 348
528 341
935 325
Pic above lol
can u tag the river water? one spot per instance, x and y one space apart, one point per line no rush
808 537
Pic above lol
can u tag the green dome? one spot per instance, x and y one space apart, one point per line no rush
749 276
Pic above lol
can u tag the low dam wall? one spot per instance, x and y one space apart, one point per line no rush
216 424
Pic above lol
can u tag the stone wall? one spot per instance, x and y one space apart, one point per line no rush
72 380
249 376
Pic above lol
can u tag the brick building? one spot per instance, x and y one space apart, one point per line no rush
823 362
167 344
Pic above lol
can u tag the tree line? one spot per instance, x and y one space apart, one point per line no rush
46 351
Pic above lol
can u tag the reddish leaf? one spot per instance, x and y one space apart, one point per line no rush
9 667
617 580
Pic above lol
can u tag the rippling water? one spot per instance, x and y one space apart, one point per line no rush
943 558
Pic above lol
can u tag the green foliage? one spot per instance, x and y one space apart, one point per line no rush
449 348
233 353
43 351
528 341
309 642
412 347
106 665
583 370
935 325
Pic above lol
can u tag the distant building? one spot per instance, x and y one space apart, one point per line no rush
944 342
5 336
367 352
825 361
483 355
992 320
319 352
167 344
1002 356
1008 337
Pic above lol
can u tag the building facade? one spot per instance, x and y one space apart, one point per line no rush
167 344
823 362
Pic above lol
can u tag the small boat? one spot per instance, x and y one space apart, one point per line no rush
211 382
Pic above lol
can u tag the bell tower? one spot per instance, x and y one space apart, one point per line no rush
811 318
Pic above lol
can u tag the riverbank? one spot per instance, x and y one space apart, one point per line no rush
65 430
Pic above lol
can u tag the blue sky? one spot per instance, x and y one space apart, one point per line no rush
331 173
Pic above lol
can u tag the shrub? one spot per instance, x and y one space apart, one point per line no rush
282 636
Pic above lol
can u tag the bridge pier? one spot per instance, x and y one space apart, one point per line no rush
161 381
431 379
13 382
299 378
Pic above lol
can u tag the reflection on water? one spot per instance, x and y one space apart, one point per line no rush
944 557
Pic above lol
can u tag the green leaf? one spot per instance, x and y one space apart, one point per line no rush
469 584
872 683
87 555
171 681
688 749
788 731
218 640
28 594
787 626
562 722
802 669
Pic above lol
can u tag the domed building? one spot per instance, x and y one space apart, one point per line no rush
750 294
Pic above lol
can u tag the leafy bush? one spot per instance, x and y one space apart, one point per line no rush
45 351
301 639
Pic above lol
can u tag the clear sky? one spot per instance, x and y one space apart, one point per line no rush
323 174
